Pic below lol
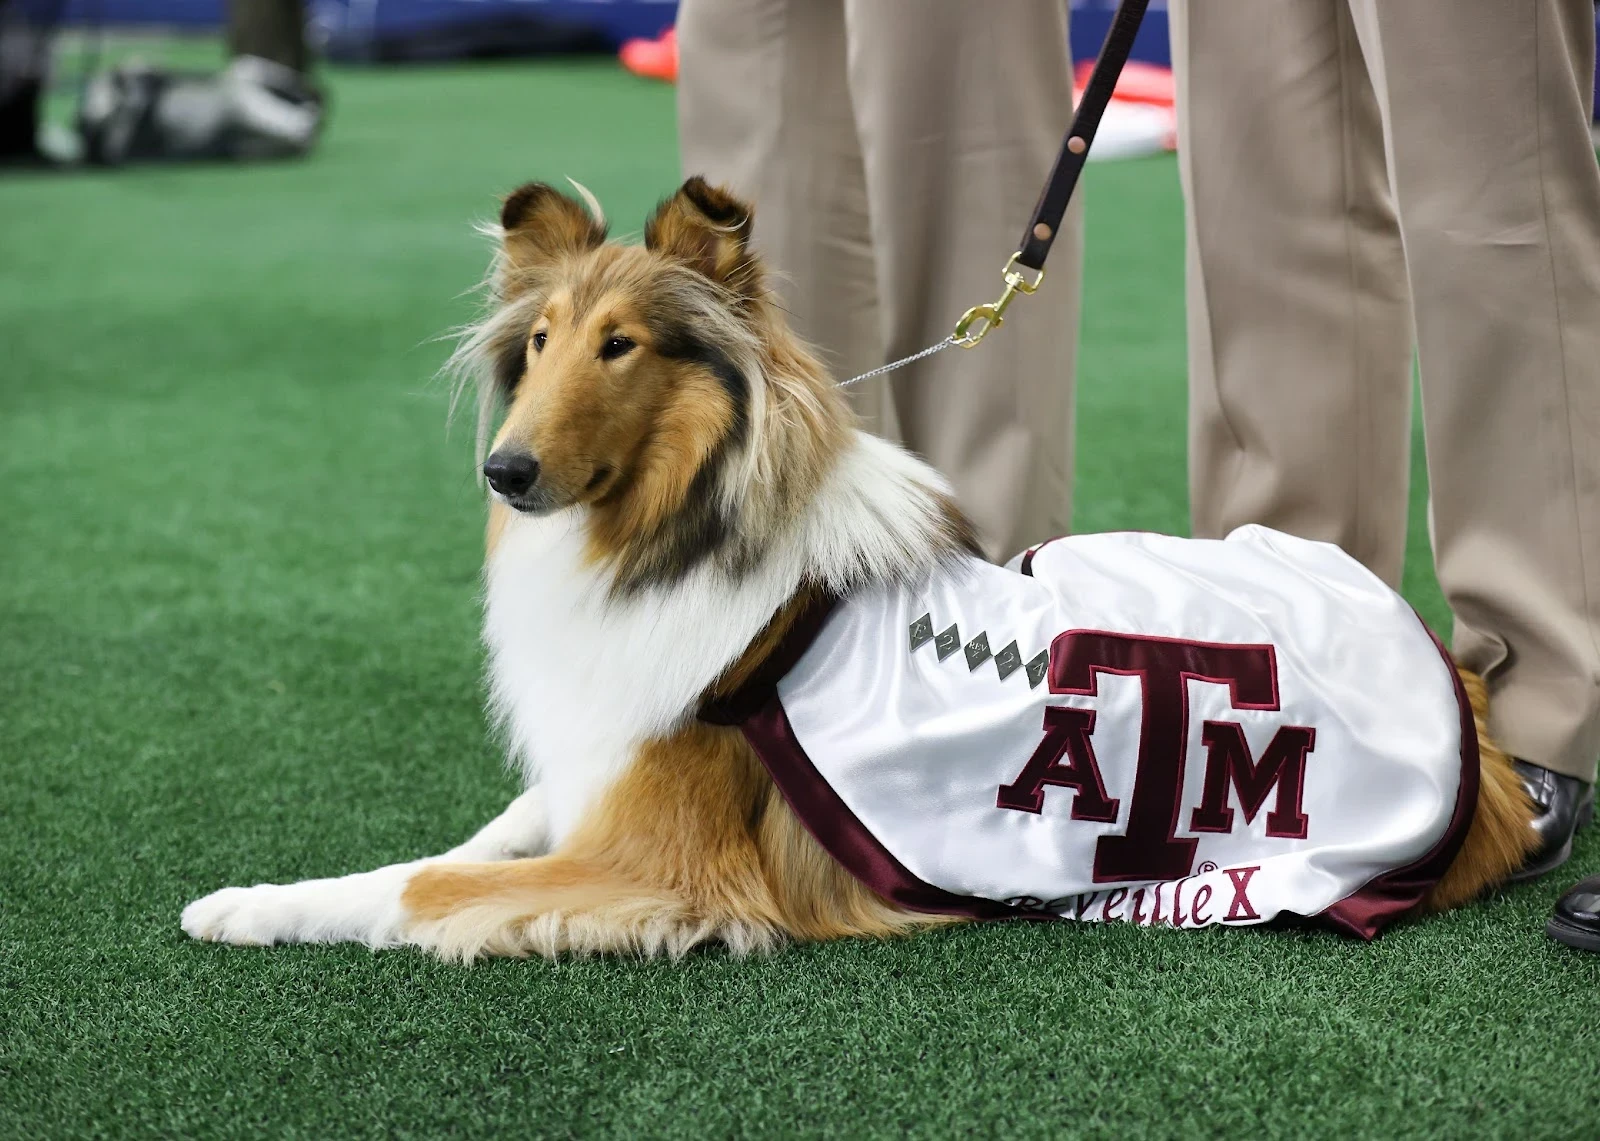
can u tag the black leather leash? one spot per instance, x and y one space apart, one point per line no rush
1045 224
1052 207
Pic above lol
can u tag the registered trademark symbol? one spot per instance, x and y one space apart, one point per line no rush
1207 866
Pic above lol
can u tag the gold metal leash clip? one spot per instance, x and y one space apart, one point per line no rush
993 315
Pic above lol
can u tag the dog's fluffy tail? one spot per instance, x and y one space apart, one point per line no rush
1501 836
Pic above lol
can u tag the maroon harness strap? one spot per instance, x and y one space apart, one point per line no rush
762 685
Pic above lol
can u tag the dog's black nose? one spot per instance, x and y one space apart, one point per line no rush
511 473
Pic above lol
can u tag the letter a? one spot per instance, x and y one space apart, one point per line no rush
1066 734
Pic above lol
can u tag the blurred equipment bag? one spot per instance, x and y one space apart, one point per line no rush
252 109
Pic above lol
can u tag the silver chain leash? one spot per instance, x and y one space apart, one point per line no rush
901 363
975 324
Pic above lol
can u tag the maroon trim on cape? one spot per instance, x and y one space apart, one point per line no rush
1027 557
1366 912
843 836
762 684
757 710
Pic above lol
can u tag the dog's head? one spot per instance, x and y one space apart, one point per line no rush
623 371
659 391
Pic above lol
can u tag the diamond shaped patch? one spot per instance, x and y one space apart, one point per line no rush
978 651
921 632
1008 661
1038 668
948 642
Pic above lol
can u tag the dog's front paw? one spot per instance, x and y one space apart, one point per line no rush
246 916
363 908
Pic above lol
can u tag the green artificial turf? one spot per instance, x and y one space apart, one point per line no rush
239 561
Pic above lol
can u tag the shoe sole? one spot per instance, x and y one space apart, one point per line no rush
1572 936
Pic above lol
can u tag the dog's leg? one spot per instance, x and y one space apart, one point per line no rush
664 860
564 904
629 891
692 844
523 829
360 908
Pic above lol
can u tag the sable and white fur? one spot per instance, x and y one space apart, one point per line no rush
700 480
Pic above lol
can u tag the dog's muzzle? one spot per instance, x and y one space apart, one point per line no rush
511 474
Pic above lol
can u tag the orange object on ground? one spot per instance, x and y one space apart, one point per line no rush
653 59
1139 82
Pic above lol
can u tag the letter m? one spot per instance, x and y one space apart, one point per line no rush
1282 766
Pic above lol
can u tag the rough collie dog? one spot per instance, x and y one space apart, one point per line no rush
762 688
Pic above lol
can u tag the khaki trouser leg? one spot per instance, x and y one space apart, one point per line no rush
764 108
894 150
1484 122
1487 108
1299 318
960 120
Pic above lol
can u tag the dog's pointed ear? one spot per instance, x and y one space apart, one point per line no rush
542 224
708 229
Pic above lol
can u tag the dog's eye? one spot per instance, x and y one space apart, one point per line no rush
538 341
616 347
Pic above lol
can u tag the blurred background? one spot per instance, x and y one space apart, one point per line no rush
116 80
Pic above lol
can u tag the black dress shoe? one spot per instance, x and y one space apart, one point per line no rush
1576 921
1564 805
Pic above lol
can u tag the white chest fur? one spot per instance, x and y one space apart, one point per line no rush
581 679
